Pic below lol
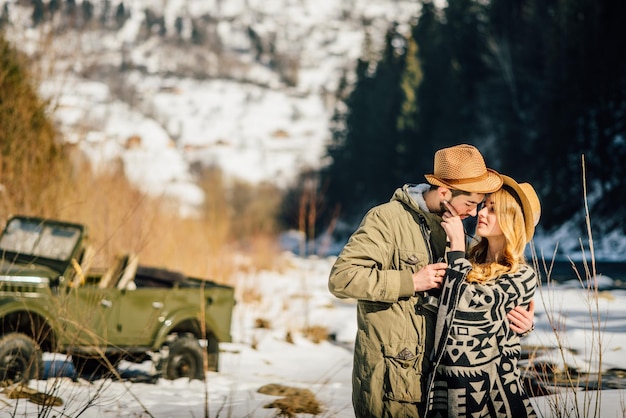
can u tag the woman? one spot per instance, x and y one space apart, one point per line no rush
476 353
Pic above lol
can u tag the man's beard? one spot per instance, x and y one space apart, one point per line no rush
442 209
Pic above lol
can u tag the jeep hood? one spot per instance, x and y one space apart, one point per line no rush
25 272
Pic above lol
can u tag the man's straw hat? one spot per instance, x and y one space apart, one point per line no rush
462 167
531 207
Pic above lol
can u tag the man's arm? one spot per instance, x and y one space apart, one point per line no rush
521 320
362 269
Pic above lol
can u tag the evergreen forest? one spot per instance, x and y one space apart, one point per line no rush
539 86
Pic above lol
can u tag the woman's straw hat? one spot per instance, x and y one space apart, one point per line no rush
531 207
462 167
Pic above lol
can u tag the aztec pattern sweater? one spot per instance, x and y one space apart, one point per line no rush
476 353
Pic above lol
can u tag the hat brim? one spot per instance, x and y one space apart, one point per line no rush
527 208
488 184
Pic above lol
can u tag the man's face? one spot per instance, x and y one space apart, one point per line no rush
465 205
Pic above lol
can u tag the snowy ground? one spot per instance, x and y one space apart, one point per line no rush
297 298
262 133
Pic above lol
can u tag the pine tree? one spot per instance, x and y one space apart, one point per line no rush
105 13
409 157
565 85
53 7
365 150
38 12
120 15
4 16
87 12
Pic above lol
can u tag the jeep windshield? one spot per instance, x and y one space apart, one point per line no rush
32 237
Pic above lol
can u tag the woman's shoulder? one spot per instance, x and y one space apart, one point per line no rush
524 272
527 268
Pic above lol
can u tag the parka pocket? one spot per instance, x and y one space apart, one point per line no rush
403 371
410 260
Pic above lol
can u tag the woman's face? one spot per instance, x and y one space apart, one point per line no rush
487 225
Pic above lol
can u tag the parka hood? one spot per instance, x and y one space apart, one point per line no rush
412 196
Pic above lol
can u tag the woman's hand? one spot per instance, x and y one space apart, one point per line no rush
521 319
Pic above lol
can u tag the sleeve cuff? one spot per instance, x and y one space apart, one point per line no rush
453 256
407 289
532 328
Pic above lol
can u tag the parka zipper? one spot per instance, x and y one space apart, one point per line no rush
426 234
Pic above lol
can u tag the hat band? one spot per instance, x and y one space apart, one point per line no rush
467 180
515 195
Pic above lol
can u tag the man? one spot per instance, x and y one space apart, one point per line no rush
390 264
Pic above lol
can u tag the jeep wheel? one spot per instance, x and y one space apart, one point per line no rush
20 358
185 359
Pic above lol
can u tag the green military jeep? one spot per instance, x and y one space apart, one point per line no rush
52 301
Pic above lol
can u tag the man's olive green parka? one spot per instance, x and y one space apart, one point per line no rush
395 332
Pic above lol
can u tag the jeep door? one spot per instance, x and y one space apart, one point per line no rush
140 316
85 315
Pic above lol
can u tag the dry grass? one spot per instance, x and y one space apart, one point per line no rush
262 323
292 400
121 219
316 333
573 392
249 295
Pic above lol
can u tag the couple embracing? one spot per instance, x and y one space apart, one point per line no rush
440 318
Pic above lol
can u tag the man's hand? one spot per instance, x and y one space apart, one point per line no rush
429 277
521 319
453 225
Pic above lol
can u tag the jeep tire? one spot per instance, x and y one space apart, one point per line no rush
20 358
185 359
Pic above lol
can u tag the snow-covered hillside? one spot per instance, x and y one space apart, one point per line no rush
245 85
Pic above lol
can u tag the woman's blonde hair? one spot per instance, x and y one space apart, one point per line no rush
511 221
